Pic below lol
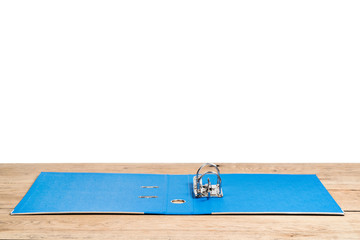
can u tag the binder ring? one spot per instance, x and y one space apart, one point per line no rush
207 190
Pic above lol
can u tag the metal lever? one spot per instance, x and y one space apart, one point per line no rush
207 190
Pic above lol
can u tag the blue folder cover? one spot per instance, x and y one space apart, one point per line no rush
56 193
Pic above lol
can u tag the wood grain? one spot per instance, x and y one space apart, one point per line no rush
342 181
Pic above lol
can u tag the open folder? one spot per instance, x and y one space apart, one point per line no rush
64 192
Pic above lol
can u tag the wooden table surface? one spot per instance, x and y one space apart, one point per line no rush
342 181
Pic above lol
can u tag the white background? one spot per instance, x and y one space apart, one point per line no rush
179 81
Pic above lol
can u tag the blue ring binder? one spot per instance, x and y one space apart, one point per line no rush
65 192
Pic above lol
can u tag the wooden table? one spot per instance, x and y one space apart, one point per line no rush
342 181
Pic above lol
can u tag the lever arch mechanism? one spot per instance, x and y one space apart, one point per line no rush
207 190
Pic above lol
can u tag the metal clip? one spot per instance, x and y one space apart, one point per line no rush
207 190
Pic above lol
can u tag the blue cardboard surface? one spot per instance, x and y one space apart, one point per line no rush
123 193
